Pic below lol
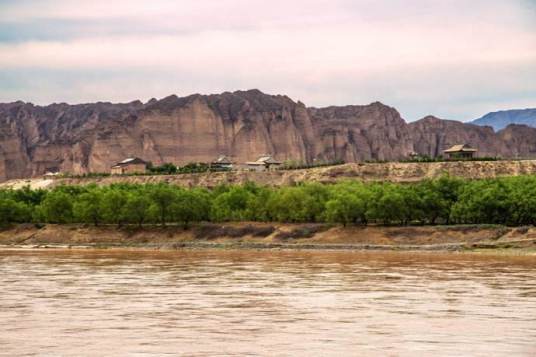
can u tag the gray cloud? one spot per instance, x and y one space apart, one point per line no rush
455 59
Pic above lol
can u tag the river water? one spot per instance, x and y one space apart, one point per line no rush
219 303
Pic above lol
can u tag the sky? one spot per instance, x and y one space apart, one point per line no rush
455 59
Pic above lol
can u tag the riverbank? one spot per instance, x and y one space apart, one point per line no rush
397 172
273 236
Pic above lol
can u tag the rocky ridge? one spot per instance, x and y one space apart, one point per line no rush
244 124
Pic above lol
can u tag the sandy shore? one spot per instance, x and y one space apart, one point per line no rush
273 236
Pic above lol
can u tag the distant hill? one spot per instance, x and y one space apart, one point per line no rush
500 120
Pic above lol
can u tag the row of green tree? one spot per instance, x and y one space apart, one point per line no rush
171 169
299 165
510 201
164 169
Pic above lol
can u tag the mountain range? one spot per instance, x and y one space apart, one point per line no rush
92 137
501 119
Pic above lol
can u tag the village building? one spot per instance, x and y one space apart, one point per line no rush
132 165
51 172
223 162
263 163
460 152
413 155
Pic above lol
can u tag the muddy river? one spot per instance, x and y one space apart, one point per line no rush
220 303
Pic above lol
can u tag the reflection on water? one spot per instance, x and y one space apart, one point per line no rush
265 303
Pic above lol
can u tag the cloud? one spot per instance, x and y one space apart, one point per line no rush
447 56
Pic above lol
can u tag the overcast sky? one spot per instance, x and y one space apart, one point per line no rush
456 59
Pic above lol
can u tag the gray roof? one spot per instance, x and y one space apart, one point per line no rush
265 160
223 159
131 161
460 148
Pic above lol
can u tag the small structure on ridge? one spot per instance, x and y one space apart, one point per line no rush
263 163
460 152
132 165
222 162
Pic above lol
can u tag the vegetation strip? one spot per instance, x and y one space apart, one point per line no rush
506 201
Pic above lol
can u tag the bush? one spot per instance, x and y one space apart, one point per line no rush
165 169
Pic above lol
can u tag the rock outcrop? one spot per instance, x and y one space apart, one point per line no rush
91 137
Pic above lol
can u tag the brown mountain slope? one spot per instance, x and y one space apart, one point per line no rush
91 137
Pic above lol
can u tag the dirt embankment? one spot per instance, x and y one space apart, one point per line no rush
392 171
272 236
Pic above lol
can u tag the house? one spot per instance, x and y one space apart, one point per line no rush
263 163
222 162
460 152
132 165
52 172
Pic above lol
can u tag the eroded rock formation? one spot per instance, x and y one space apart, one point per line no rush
91 137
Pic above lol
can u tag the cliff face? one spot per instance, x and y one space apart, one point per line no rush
432 135
91 137
356 133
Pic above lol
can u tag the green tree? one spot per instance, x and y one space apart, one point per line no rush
387 204
485 201
412 204
162 197
57 207
13 212
136 208
522 200
87 207
348 203
29 196
166 168
289 204
231 205
345 210
316 196
190 206
448 189
257 208
113 202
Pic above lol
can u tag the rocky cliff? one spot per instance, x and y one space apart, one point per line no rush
91 137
